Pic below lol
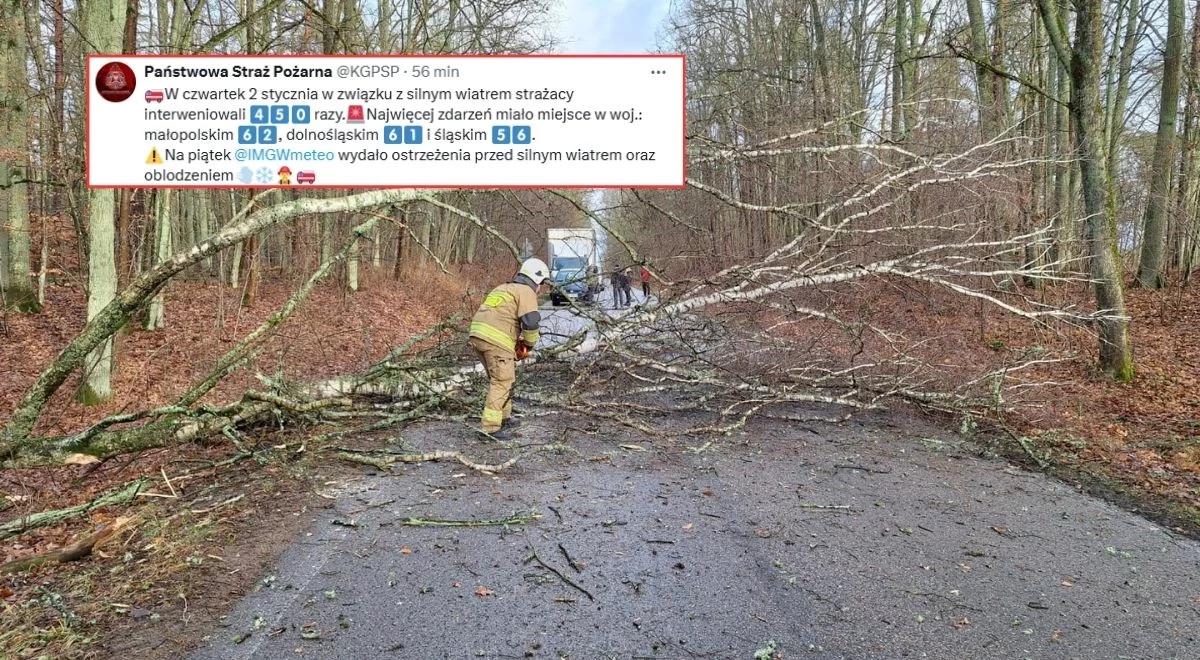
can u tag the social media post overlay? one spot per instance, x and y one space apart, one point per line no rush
385 122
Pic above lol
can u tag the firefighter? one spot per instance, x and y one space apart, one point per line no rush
504 330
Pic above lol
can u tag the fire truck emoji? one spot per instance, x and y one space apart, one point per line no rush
306 176
154 96
285 176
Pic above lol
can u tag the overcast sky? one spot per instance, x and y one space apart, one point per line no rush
610 26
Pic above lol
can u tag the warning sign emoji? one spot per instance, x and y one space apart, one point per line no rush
155 157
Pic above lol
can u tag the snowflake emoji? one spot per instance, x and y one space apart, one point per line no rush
264 175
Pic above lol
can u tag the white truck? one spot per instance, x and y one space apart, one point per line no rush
570 252
571 249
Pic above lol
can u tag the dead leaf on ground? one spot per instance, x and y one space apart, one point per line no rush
483 591
80 459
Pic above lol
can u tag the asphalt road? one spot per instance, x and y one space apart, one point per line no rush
875 538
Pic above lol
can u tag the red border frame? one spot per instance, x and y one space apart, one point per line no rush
683 137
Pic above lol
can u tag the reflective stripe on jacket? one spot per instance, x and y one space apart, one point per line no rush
508 312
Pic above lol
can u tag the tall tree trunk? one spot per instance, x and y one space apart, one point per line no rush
156 315
1065 233
1116 355
125 196
1188 207
1114 117
398 266
899 58
16 284
981 54
1150 269
103 26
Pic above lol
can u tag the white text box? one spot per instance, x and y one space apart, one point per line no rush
553 121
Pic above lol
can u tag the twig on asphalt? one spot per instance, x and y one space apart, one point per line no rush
570 561
515 519
848 466
536 557
825 507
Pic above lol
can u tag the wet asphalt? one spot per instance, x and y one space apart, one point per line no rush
882 537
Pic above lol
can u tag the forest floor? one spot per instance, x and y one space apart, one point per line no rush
1135 443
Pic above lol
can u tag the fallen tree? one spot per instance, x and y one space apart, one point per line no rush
117 313
704 348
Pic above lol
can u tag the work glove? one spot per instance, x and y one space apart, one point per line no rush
522 351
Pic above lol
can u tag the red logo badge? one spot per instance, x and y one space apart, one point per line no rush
115 81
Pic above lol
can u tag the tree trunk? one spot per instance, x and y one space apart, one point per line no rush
899 57
1189 185
156 316
16 284
1116 357
252 269
1150 270
398 266
103 27
352 267
125 197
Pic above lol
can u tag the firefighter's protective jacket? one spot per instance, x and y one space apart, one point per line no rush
508 313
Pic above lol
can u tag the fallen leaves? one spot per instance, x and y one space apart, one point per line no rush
483 592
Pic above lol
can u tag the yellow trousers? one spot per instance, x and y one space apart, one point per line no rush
501 367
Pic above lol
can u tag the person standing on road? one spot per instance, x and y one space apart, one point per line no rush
504 330
627 287
615 282
644 274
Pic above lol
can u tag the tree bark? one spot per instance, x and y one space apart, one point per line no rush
156 317
1189 185
1116 357
1150 269
16 284
103 27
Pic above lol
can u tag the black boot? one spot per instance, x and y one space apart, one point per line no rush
502 435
